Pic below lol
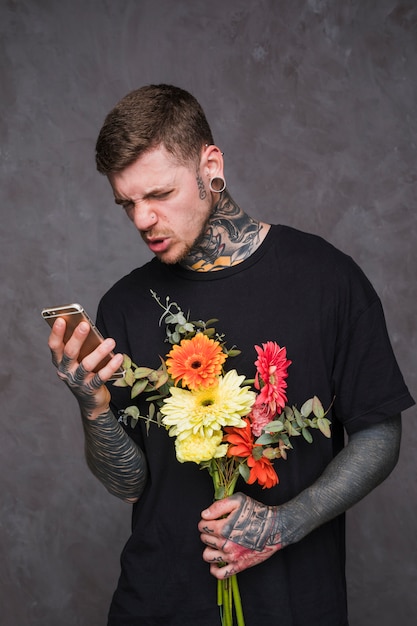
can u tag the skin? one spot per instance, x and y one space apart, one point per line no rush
240 532
183 221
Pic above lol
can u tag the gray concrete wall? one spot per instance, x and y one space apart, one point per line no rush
314 104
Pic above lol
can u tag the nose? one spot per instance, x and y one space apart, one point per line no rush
144 217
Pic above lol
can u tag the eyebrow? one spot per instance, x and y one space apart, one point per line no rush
152 192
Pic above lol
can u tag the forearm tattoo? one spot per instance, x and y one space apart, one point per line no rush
111 454
114 458
364 463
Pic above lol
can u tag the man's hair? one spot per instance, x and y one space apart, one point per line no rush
146 118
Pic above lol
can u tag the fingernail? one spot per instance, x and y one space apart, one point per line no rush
84 327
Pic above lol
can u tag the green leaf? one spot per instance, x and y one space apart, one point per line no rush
318 407
120 382
324 425
127 362
276 426
211 322
307 435
307 408
142 372
138 387
132 411
257 452
233 352
244 471
265 439
288 412
129 378
298 417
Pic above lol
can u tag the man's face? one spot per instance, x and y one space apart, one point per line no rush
164 201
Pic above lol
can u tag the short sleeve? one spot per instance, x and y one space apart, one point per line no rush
368 383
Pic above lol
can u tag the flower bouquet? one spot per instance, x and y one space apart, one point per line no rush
230 425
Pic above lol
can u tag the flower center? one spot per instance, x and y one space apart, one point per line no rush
195 365
207 402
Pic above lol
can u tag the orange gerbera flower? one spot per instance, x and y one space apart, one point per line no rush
242 446
196 362
272 365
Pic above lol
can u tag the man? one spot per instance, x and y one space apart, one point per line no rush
263 283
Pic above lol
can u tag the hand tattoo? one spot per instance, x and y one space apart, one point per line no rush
253 525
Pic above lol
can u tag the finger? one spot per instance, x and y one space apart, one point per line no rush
108 370
95 357
56 340
96 382
220 508
213 556
75 342
79 374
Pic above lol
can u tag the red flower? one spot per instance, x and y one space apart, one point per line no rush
242 446
272 365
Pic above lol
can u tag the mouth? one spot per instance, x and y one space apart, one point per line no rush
157 244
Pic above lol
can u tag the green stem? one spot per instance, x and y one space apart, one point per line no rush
228 595
237 601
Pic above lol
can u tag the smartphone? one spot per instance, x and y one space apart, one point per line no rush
73 314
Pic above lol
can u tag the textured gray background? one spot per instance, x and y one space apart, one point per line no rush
314 104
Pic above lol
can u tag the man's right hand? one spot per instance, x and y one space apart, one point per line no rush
88 387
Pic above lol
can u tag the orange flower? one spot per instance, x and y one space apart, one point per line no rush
262 471
197 362
272 365
242 446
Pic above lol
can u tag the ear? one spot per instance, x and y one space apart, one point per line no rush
212 162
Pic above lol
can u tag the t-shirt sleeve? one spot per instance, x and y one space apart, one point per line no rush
368 383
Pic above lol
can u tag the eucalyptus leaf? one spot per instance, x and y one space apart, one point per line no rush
127 362
324 425
244 471
138 387
276 426
234 352
318 407
132 411
265 439
307 435
130 378
298 418
211 321
120 382
307 408
142 372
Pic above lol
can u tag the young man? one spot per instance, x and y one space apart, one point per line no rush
263 283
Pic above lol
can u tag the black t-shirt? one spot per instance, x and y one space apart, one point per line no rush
301 292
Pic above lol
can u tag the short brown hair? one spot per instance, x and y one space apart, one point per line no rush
146 118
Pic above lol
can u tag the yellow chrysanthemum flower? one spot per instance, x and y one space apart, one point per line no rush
206 411
196 362
198 449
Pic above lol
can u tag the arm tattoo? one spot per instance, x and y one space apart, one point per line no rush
364 463
111 454
113 457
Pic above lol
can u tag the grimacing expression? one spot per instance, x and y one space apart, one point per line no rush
163 198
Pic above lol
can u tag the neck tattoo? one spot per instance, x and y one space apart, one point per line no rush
230 237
